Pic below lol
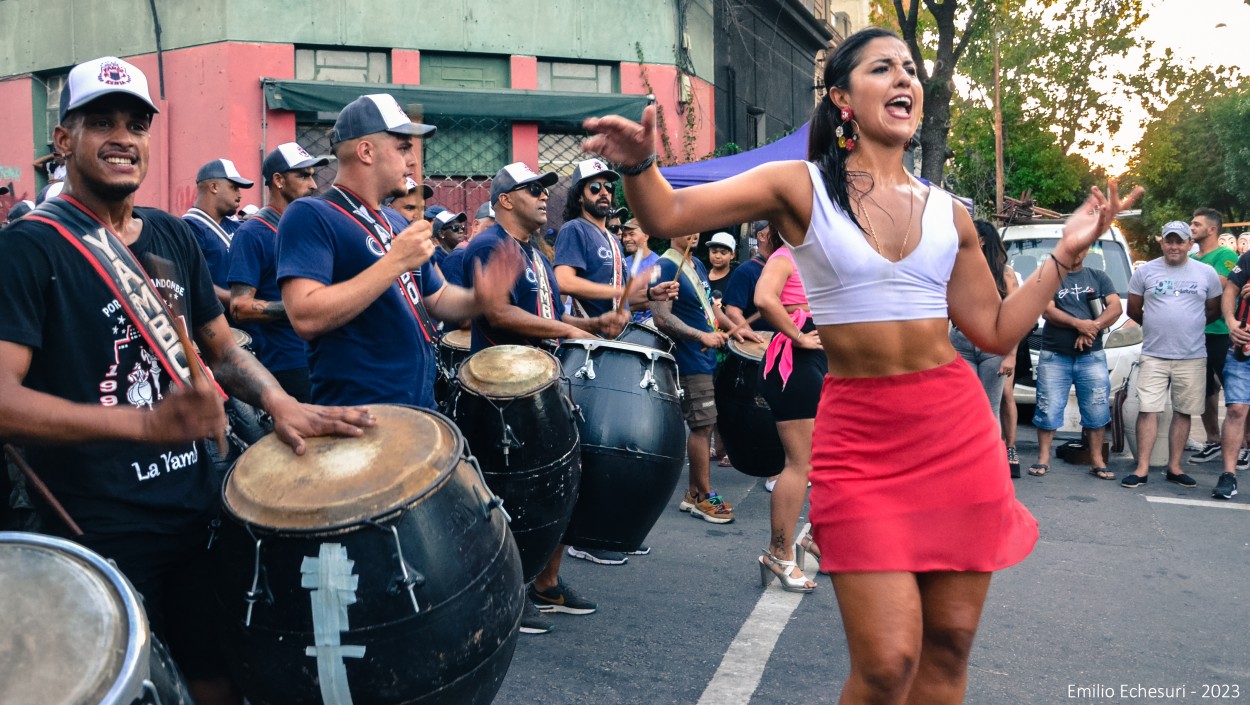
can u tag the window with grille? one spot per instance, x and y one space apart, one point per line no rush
576 77
54 84
344 65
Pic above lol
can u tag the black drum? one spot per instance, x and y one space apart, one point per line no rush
453 349
633 440
377 569
646 335
519 423
243 340
743 416
73 631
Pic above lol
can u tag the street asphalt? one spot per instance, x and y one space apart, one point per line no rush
1126 591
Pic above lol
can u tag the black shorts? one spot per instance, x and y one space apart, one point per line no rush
801 395
174 575
1217 350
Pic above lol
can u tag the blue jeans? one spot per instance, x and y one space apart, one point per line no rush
1056 373
985 365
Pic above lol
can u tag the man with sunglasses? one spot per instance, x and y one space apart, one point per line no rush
530 317
449 231
357 281
589 264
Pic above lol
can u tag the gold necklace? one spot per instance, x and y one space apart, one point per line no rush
872 232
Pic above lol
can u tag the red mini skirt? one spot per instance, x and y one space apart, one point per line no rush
909 473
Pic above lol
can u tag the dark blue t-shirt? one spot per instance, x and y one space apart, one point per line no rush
740 291
254 262
594 253
525 293
453 266
691 358
439 256
381 356
216 252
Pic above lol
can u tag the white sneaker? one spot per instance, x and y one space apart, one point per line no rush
770 484
1191 444
1243 459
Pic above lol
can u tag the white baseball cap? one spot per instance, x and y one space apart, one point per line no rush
724 240
100 77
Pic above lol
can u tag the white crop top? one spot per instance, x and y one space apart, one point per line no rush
848 281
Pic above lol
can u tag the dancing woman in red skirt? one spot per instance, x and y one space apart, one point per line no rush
911 504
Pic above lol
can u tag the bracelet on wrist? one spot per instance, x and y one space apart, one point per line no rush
636 169
649 294
1059 264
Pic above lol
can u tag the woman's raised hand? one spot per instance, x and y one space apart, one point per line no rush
620 140
1093 218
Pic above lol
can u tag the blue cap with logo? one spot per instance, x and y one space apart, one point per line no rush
371 114
222 169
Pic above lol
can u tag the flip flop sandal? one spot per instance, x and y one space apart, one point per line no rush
1102 473
1038 469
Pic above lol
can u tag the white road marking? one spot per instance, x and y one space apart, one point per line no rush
1199 503
743 665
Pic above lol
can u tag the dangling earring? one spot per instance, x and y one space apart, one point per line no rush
848 131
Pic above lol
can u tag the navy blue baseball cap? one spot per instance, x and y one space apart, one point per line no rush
484 211
446 218
432 212
516 175
371 114
222 169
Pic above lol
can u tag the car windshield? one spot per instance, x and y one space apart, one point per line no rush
1107 255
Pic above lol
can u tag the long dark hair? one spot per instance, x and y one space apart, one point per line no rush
995 254
822 143
573 204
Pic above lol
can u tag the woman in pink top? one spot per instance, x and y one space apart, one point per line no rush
910 502
793 369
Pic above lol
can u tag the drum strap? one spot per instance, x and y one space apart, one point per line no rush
546 307
126 279
269 217
378 228
220 232
691 275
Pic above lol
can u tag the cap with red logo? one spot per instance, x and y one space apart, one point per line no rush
288 156
371 114
100 77
591 168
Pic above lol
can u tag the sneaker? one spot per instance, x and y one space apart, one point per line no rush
595 555
688 502
533 621
1209 452
643 549
1191 444
561 598
1133 481
1226 487
713 509
770 484
1182 479
1243 459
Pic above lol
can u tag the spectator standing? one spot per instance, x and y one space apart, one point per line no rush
1172 297
739 291
1205 227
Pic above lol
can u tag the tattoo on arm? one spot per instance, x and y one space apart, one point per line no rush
662 312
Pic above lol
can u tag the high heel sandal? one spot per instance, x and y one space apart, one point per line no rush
789 583
805 544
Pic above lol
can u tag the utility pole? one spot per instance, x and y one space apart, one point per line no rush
998 128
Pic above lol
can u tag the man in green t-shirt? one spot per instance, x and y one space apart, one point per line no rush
1205 227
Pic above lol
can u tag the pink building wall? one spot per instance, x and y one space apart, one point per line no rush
16 152
525 134
663 80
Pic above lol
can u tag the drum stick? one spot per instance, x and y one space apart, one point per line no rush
685 259
744 324
199 375
41 489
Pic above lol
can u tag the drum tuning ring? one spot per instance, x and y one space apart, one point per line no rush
574 407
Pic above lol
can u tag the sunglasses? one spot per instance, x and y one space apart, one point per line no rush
615 229
598 186
457 228
536 189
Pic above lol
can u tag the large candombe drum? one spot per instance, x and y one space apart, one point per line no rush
646 335
520 425
453 349
377 569
633 440
73 631
745 420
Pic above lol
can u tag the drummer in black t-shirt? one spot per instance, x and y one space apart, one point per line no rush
91 381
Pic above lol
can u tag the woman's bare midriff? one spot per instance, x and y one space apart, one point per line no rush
886 348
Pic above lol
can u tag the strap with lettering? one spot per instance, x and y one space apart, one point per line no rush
377 227
129 283
618 267
200 216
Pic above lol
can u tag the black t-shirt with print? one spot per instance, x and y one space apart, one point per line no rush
85 350
1075 298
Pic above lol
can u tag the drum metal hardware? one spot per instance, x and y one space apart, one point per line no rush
255 594
408 577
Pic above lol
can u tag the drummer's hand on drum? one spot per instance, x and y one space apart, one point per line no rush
294 421
189 414
714 339
808 341
412 247
611 324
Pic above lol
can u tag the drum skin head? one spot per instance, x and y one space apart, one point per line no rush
459 339
63 630
751 350
241 338
508 371
341 481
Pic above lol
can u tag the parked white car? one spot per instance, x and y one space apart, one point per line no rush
1028 246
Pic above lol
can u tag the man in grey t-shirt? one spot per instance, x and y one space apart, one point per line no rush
1173 298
